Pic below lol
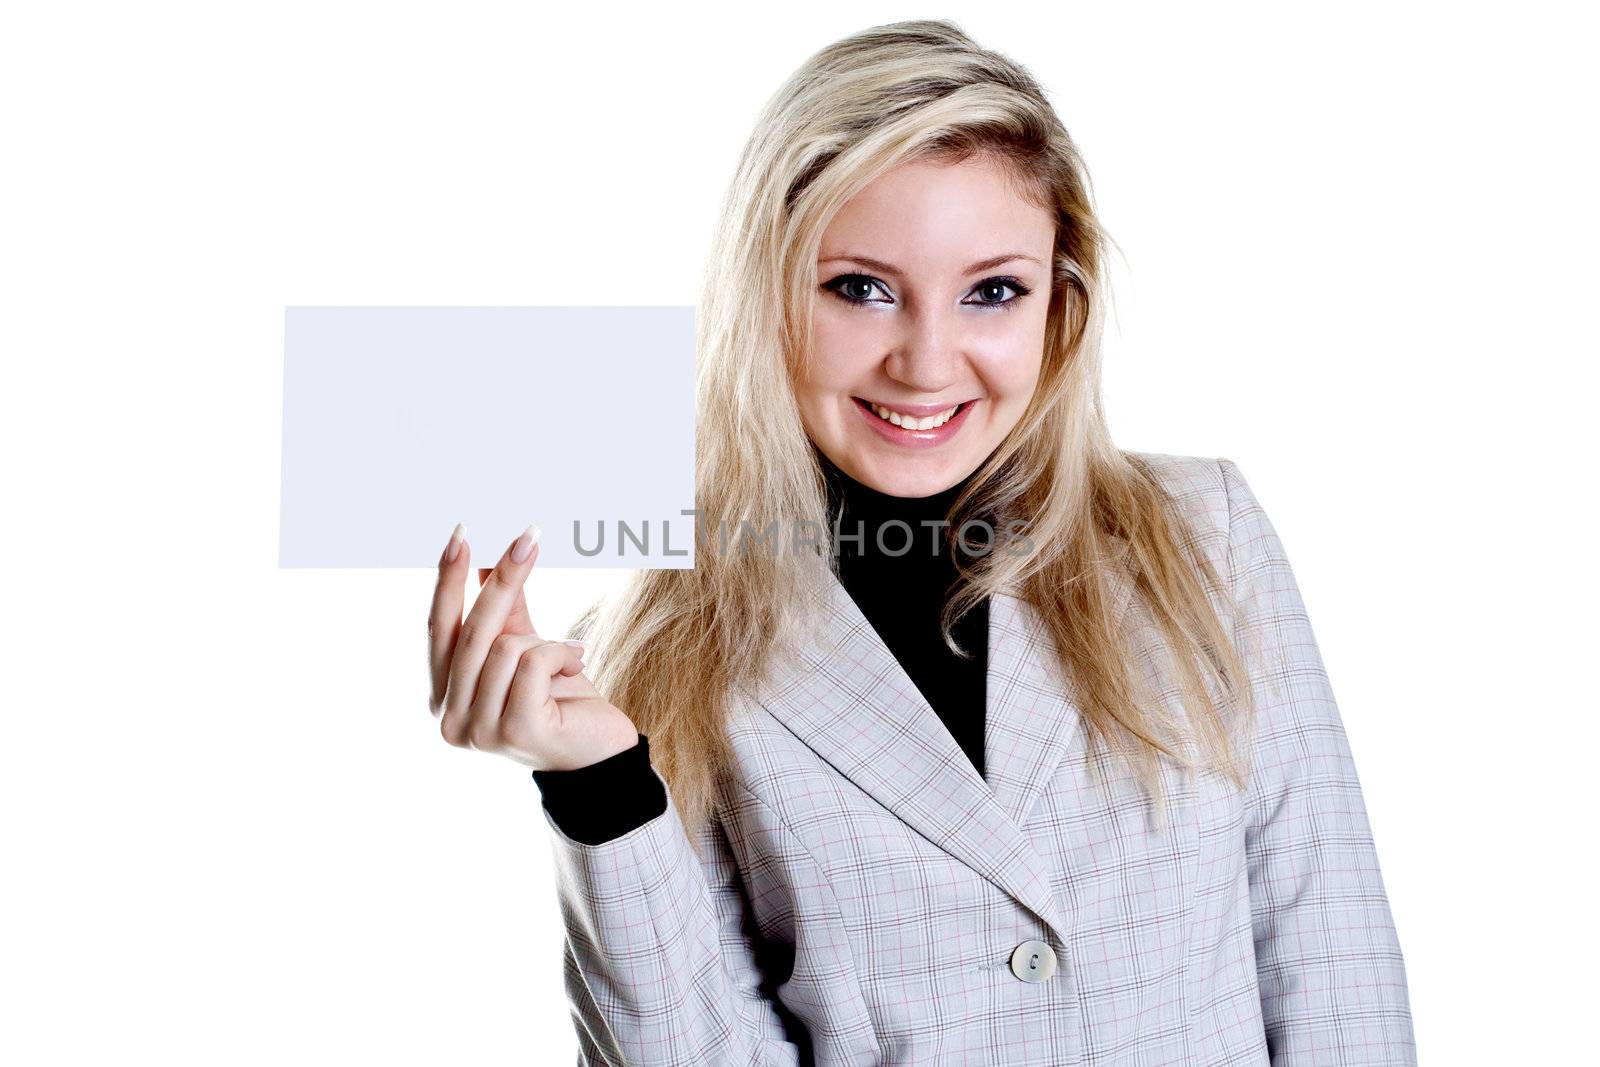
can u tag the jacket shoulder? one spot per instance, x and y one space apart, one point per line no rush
1196 488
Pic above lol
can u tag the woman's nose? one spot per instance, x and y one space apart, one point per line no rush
926 358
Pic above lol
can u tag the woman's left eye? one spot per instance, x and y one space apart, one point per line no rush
989 285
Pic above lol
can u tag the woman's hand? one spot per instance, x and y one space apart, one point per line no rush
500 687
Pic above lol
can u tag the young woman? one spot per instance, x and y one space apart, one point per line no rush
1031 758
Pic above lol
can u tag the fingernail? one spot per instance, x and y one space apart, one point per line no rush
524 545
453 549
575 644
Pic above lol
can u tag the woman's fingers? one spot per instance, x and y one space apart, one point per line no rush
571 687
444 614
517 664
498 686
519 621
501 594
486 621
532 714
494 682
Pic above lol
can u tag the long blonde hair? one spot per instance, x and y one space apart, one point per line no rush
671 647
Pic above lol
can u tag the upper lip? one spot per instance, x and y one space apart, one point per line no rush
917 411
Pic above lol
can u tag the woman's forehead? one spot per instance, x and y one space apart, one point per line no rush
923 218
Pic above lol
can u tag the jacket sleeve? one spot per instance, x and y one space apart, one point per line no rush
660 963
1328 961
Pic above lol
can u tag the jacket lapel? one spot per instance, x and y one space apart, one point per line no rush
1032 719
848 699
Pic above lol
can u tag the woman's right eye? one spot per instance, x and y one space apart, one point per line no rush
856 289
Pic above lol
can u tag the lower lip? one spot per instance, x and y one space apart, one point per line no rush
915 438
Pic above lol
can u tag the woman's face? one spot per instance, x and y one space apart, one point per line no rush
934 292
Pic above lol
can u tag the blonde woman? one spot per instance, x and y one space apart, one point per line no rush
1029 759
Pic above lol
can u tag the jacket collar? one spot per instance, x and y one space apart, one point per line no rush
848 699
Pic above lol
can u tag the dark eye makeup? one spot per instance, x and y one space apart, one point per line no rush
838 286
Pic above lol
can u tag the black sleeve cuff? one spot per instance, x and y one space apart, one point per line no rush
604 800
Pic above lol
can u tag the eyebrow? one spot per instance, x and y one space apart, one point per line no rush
887 268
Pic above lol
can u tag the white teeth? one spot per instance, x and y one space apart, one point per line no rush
906 422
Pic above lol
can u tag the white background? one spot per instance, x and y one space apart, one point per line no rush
1357 252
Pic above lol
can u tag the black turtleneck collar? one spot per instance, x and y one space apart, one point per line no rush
867 510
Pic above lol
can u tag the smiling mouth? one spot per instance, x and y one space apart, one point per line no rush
911 422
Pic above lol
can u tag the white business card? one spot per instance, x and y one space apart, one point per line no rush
399 422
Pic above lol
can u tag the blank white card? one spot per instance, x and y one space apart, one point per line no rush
400 422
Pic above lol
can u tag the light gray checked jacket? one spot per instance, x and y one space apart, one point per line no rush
865 891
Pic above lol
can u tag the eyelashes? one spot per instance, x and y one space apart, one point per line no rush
838 286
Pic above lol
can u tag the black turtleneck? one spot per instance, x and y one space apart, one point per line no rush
900 578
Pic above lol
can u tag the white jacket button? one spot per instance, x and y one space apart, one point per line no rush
1033 961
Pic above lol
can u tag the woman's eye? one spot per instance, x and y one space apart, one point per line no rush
996 287
856 288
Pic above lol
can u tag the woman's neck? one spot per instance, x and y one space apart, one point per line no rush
867 510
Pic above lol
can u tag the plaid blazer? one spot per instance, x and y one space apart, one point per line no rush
867 898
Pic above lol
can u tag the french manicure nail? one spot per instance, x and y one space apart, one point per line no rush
575 644
524 546
453 549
